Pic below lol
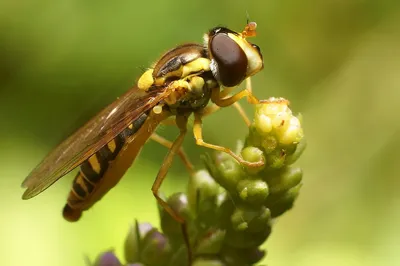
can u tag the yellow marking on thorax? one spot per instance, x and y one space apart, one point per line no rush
112 146
95 163
146 80
198 65
130 126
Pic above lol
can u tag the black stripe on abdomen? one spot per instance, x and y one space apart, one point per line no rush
95 167
92 170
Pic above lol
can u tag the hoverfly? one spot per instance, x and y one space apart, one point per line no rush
181 83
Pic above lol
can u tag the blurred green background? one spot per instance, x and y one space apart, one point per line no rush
337 61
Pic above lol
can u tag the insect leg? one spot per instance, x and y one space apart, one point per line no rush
198 135
182 124
213 108
239 107
242 113
166 143
218 97
226 91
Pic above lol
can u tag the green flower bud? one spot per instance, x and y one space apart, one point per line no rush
225 170
253 154
284 180
268 116
211 242
269 143
246 239
179 203
254 138
249 219
232 258
208 262
262 123
276 130
202 193
285 202
179 257
253 191
133 241
276 159
226 206
239 146
156 249
240 257
254 255
297 152
293 133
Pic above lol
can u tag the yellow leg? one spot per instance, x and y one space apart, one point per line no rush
228 90
242 113
166 143
198 135
218 97
181 121
223 102
213 108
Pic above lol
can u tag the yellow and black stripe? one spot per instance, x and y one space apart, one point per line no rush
93 169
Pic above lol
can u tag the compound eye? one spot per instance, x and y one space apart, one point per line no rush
231 60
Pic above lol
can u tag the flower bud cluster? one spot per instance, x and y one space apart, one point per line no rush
228 208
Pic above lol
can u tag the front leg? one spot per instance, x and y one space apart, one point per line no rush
220 97
198 135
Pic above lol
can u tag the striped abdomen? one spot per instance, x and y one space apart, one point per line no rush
90 178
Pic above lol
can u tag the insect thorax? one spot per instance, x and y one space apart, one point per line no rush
185 70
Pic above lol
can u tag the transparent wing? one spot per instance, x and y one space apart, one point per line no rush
87 140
